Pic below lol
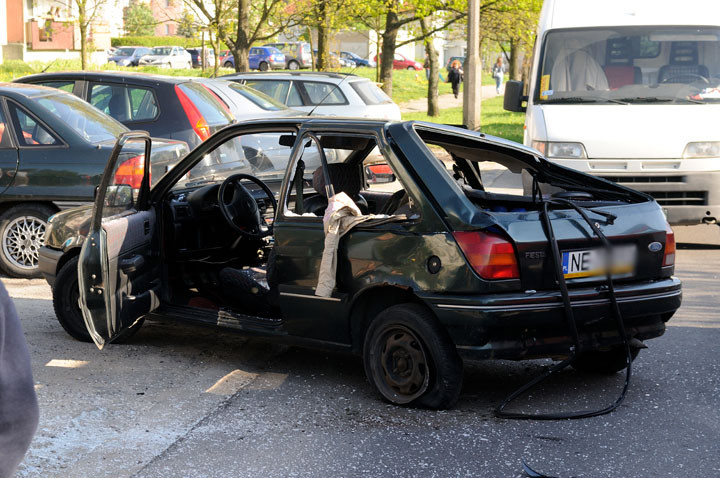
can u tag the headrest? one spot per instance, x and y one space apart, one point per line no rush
684 53
345 178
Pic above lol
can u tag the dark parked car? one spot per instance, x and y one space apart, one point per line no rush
196 58
164 106
53 149
260 58
359 61
128 55
438 262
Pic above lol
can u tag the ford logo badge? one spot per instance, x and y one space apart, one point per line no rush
655 247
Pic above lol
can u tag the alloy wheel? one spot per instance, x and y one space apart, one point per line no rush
22 239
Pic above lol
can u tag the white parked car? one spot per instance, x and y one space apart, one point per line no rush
167 57
328 94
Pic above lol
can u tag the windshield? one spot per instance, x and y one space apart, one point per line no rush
87 121
124 52
260 99
623 65
161 50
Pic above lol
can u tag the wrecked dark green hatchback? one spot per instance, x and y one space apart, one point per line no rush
440 256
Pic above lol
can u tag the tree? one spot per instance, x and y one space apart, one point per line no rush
87 12
138 19
326 17
432 60
187 26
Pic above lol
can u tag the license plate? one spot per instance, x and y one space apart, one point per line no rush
593 262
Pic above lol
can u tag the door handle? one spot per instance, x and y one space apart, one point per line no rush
146 226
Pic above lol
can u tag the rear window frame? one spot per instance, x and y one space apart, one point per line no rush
362 95
335 86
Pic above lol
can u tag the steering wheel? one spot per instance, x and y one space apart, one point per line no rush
240 208
686 75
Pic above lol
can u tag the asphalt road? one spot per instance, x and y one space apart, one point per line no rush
187 401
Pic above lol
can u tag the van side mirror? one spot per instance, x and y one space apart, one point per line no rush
514 98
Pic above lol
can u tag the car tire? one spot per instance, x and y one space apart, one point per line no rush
227 64
411 68
188 66
263 66
293 65
65 294
427 369
22 233
604 361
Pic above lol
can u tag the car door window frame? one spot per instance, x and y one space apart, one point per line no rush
8 126
14 104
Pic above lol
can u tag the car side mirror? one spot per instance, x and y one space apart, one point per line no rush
514 98
119 196
379 173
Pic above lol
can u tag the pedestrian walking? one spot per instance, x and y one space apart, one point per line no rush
497 73
455 76
18 403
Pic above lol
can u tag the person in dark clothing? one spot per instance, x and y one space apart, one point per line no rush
18 403
455 76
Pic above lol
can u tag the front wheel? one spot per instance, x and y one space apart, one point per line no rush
411 68
411 360
22 233
66 293
228 65
293 65
604 361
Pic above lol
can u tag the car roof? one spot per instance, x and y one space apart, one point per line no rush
333 77
28 91
105 75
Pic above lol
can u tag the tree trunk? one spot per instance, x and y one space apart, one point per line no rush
83 46
323 38
241 45
389 40
513 63
433 107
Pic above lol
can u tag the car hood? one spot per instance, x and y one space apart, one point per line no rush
632 131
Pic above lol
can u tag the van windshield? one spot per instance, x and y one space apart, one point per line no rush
634 64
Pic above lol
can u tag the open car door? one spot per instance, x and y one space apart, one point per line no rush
118 271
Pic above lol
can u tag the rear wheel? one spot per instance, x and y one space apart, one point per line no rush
188 66
263 66
22 233
66 294
411 360
227 64
293 65
604 361
410 68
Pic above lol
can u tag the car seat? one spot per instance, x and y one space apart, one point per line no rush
683 65
345 178
619 68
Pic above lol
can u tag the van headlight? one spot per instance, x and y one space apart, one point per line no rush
702 149
557 150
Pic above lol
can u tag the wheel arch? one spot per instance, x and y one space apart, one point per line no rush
370 302
5 205
67 257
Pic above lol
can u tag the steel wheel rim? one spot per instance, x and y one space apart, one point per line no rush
21 241
404 367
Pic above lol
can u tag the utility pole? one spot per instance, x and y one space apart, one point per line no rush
472 90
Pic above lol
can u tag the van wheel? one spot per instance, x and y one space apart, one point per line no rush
22 233
411 360
604 361
293 65
66 293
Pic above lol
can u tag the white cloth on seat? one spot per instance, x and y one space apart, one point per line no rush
577 70
341 215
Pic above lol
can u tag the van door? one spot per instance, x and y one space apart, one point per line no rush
118 272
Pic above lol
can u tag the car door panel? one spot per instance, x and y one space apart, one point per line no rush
119 267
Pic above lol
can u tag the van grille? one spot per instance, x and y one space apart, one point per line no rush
679 198
645 179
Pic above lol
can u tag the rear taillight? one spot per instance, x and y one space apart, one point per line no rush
669 255
131 172
198 123
490 255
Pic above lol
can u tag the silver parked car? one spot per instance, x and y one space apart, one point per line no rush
328 94
167 57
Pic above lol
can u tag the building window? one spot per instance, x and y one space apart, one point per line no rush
167 29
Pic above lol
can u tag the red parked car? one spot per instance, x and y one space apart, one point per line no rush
400 62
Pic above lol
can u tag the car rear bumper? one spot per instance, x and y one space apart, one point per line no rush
278 65
48 259
533 324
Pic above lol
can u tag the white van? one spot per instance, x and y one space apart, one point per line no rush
629 90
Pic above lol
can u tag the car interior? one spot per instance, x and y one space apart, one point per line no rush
217 235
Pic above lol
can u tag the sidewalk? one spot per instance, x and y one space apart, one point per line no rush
444 101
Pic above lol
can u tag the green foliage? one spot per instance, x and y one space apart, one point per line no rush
138 19
187 26
494 119
158 41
